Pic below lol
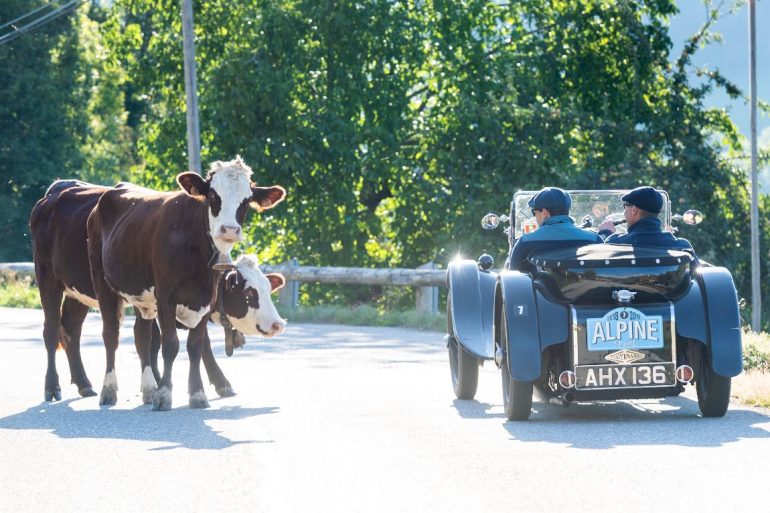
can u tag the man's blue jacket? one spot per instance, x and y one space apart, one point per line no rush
555 232
647 232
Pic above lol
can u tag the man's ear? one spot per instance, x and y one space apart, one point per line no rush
192 183
263 198
276 281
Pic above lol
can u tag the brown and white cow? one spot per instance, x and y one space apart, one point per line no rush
154 250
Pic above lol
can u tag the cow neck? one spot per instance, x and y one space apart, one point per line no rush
214 251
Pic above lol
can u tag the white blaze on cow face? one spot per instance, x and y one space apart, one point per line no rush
229 189
265 319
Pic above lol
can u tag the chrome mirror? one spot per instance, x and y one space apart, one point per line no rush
690 217
492 221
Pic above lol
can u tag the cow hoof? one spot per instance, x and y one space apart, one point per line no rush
161 401
53 395
226 391
148 394
149 385
109 397
86 392
198 400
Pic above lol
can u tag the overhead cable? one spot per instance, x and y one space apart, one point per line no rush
42 20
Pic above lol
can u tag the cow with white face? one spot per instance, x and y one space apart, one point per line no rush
247 301
229 193
155 250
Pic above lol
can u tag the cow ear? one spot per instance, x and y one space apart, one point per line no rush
276 281
263 198
193 183
231 280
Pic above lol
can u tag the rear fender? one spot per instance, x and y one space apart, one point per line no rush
472 292
516 296
723 320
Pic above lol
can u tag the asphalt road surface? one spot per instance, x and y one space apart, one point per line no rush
342 419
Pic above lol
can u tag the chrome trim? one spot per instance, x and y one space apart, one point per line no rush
574 336
571 379
673 333
683 367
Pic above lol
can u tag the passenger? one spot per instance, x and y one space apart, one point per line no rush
641 207
556 229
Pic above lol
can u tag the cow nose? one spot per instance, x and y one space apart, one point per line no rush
277 327
230 232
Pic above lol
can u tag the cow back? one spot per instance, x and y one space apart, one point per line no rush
59 238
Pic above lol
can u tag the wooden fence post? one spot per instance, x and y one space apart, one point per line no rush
289 294
427 297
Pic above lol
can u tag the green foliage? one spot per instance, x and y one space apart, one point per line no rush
756 352
18 291
394 125
365 315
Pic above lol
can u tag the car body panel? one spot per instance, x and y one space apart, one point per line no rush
472 294
724 320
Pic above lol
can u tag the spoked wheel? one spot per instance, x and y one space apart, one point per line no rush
713 390
517 395
463 366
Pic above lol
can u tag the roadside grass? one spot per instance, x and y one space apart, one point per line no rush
364 315
751 387
18 291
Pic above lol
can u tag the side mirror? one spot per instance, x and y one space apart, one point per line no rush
492 221
691 217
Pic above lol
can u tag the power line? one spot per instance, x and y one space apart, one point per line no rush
42 7
42 20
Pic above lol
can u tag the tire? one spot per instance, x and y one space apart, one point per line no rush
463 366
517 395
713 390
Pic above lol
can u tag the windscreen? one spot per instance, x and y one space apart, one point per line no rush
589 209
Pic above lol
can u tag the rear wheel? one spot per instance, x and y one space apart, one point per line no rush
517 395
464 367
713 390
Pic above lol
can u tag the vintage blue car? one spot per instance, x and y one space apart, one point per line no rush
599 322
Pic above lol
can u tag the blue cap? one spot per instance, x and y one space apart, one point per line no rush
551 198
646 198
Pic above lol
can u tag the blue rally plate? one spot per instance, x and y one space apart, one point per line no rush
625 376
624 328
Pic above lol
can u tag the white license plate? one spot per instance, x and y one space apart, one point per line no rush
625 376
624 328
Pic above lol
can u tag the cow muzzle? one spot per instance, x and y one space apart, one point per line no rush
230 234
275 328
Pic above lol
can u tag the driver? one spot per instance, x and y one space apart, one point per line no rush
641 207
556 229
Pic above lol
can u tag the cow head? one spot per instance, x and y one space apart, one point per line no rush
247 301
228 193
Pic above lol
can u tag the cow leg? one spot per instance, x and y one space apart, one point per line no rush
154 350
51 292
72 318
170 348
111 306
143 329
215 374
195 340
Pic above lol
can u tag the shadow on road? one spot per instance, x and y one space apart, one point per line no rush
475 409
675 421
178 428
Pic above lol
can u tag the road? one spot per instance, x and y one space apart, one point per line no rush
343 419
